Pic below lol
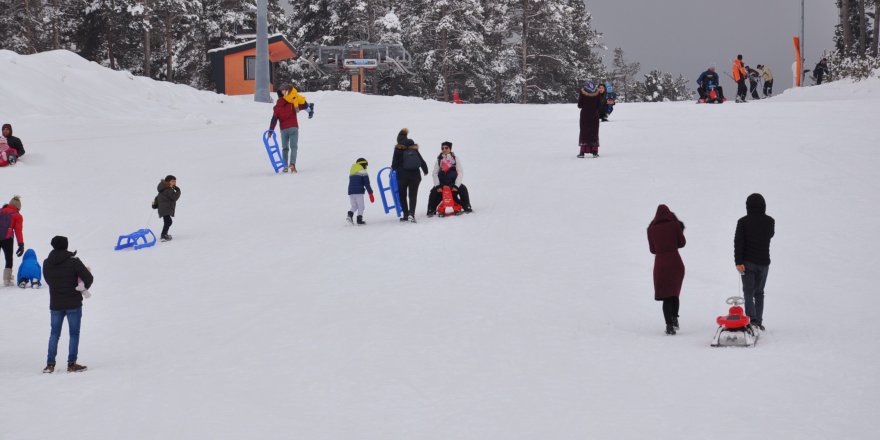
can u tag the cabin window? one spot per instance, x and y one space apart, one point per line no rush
250 67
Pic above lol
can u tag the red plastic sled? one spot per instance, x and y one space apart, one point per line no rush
447 203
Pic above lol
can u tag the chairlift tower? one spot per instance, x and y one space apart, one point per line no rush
356 58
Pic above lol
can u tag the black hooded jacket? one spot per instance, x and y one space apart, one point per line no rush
751 242
61 270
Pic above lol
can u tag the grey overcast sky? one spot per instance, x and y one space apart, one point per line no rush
686 36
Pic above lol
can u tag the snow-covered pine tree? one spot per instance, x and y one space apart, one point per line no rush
623 75
662 87
454 55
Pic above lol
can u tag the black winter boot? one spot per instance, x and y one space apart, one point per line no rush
350 217
360 220
670 330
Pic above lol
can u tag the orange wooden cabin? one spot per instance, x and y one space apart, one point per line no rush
233 67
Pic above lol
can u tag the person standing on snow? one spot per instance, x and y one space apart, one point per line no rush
14 142
358 183
820 70
767 76
754 76
406 162
739 75
285 113
588 102
665 238
62 271
169 193
706 79
11 223
751 254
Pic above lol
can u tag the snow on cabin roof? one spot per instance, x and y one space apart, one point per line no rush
274 38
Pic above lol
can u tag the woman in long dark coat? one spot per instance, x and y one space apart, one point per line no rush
588 102
665 238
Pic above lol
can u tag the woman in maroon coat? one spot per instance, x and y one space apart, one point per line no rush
588 102
665 238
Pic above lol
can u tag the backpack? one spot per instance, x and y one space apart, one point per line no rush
411 160
5 225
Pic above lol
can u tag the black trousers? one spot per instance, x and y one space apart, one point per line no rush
670 310
461 197
408 187
754 89
768 88
704 95
7 251
167 224
741 89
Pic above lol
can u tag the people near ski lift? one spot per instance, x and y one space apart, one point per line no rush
288 104
767 76
169 193
707 79
358 184
665 238
603 102
820 70
62 271
754 76
751 254
739 75
13 141
11 223
406 163
448 171
588 102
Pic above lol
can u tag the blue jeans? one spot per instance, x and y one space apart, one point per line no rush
74 317
754 279
289 144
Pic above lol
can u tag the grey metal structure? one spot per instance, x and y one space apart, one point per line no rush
330 59
261 70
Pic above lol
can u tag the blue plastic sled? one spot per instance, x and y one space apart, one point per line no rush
140 239
273 150
29 271
392 178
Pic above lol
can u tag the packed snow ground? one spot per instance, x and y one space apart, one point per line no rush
269 317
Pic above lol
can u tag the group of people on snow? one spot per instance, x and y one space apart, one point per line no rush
709 83
751 255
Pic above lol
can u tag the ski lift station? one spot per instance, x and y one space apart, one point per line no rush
357 58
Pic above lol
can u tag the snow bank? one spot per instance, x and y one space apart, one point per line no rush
268 317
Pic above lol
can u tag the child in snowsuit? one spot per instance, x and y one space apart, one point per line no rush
30 272
8 155
358 183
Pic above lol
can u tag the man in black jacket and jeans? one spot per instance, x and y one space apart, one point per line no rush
751 253
62 271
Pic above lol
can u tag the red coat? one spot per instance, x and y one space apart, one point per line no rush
15 224
665 238
285 113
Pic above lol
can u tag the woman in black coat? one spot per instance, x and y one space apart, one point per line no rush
665 238
406 163
588 102
169 192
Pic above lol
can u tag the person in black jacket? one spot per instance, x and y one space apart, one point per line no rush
406 163
819 71
169 192
751 253
62 272
448 171
13 141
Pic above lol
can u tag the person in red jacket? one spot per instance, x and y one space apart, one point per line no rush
665 238
285 113
11 221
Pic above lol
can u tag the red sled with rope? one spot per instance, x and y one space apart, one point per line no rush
448 203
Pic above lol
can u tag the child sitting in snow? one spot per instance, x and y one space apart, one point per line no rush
8 155
29 271
358 183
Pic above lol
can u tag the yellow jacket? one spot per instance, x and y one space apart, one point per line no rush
295 98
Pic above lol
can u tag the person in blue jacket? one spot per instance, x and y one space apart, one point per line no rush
706 79
358 184
29 271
